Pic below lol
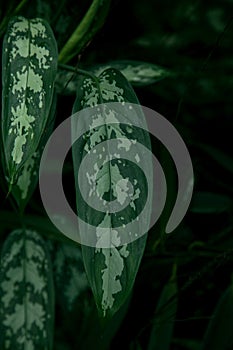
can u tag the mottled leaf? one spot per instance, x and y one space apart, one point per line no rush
26 293
138 73
27 178
29 65
111 268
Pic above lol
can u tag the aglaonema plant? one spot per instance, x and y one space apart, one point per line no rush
32 73
46 279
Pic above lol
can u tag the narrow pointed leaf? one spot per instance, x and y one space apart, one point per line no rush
163 323
29 64
111 269
26 293
219 334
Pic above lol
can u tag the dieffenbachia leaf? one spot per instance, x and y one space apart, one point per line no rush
28 175
138 73
29 64
70 276
26 293
111 268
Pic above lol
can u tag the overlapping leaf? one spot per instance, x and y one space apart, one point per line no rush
29 64
70 277
111 270
26 293
138 73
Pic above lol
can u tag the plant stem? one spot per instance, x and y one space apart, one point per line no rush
77 71
67 51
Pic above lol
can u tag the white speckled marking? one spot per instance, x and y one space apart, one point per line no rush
24 315
29 57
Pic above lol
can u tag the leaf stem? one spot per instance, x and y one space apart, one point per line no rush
77 71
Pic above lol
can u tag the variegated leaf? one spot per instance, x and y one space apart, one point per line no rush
138 73
26 293
29 64
27 178
111 270
70 276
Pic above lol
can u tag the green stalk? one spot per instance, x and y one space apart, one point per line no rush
84 31
11 14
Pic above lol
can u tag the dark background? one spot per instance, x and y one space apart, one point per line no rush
194 41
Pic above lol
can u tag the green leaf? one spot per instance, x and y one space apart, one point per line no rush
161 334
87 28
93 334
220 329
111 268
40 223
26 293
138 73
70 276
28 176
208 202
29 65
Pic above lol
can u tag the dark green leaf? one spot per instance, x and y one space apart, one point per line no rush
27 179
29 65
26 293
70 277
138 73
219 334
111 271
39 223
161 334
